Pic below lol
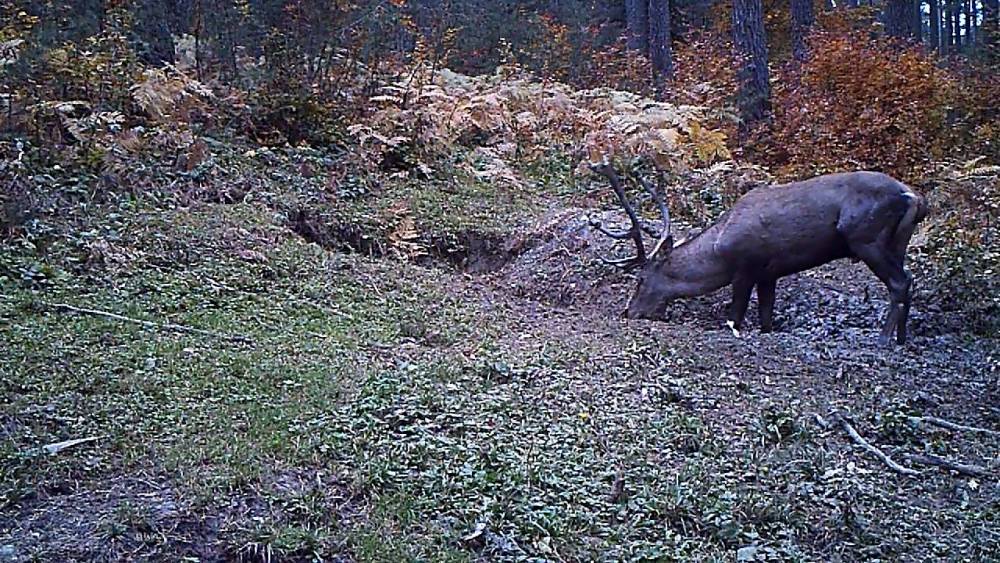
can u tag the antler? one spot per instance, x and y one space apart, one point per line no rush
638 226
665 235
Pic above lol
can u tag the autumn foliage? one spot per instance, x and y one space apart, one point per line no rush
510 119
705 76
862 102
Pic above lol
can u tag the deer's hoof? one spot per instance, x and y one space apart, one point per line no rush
732 327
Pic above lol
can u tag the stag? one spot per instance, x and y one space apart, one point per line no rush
771 232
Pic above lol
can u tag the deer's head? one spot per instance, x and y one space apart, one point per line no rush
655 288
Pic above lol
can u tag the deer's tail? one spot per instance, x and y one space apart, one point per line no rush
915 212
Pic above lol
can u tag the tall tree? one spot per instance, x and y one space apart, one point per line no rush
934 24
898 18
754 96
637 20
970 35
660 53
948 41
956 25
976 23
802 21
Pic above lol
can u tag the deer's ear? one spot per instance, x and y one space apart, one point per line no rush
663 249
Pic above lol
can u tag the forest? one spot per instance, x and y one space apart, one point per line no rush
465 280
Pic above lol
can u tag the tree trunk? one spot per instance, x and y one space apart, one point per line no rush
934 24
637 20
956 24
916 16
974 22
967 10
660 53
898 18
754 94
802 21
948 41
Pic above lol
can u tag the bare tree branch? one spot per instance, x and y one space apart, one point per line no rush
964 469
859 440
942 423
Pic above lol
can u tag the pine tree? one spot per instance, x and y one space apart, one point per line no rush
802 21
660 53
754 95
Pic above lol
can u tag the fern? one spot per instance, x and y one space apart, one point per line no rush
443 110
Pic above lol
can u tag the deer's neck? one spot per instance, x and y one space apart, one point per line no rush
696 269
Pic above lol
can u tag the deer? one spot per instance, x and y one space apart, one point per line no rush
771 232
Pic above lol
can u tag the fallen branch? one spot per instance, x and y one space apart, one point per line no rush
942 423
859 440
821 421
928 459
149 324
57 447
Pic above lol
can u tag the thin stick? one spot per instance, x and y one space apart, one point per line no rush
60 446
942 423
859 440
148 324
928 459
821 421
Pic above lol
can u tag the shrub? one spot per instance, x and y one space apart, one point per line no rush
962 249
705 75
618 67
511 117
862 102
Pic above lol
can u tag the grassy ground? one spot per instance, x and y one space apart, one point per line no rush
388 409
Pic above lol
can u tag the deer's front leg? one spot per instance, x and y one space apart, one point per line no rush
742 287
765 304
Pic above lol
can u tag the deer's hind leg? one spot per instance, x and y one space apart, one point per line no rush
900 240
887 264
765 303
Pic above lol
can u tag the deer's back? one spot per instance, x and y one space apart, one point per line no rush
788 228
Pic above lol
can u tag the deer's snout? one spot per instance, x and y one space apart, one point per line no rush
635 313
645 306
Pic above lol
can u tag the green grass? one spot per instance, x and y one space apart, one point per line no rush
385 411
467 429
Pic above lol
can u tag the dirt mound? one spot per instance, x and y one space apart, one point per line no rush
561 266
